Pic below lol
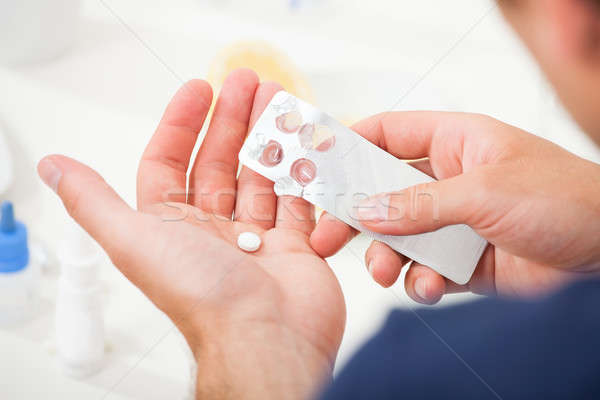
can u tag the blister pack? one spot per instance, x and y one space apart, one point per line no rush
308 154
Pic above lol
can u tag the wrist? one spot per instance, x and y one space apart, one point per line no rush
260 360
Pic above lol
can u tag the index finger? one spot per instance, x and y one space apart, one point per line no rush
331 234
163 169
411 135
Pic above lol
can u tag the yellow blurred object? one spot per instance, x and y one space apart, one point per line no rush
270 64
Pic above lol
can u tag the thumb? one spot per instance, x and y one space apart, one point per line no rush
94 205
422 208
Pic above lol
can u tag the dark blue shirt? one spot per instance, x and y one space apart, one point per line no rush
489 349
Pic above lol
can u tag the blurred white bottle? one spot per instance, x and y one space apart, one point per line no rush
37 30
79 312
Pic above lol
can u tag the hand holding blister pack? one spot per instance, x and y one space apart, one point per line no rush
308 154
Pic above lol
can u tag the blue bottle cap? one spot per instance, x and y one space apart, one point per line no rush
14 253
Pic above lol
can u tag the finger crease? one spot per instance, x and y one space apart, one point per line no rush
170 162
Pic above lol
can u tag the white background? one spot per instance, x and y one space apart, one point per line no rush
101 100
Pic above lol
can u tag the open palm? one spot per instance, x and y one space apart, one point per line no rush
180 247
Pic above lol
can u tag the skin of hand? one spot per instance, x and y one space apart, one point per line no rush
261 325
537 204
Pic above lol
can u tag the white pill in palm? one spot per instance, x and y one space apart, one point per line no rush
249 241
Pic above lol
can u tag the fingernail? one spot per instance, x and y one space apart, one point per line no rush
49 173
421 288
374 209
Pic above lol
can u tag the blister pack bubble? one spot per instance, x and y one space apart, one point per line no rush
308 154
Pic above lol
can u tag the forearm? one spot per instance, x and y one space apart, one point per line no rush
261 363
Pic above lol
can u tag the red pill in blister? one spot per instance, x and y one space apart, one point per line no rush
289 122
316 137
272 154
303 171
